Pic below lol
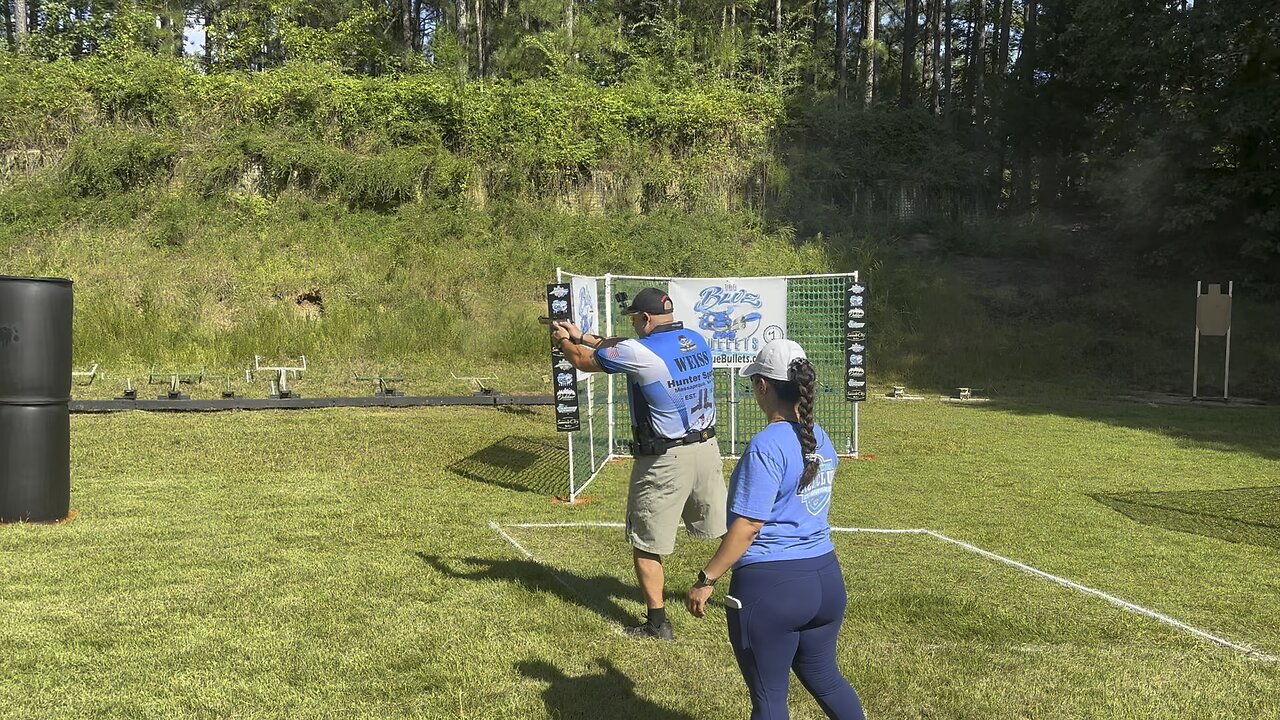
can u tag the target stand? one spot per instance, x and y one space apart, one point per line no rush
85 378
280 384
477 384
384 384
175 381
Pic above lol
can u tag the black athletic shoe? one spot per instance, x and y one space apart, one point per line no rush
645 630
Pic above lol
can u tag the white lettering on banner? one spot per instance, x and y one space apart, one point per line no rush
715 297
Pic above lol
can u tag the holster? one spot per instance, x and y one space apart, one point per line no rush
645 442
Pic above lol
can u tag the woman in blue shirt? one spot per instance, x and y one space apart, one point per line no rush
787 597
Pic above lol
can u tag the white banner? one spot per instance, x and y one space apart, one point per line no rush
586 309
736 316
586 305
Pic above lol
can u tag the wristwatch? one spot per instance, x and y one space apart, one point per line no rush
703 580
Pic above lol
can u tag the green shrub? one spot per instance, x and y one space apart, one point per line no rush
108 160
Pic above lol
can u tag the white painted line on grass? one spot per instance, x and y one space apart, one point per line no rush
1245 649
498 529
883 531
1125 604
562 525
905 531
529 556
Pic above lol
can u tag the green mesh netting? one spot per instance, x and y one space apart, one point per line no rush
815 319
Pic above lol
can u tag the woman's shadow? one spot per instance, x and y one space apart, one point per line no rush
610 694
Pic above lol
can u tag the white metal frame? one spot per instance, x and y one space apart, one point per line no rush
851 445
284 371
91 373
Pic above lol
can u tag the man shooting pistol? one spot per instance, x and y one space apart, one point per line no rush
678 473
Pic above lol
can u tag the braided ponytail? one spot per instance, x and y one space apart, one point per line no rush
804 377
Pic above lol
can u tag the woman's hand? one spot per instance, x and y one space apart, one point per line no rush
742 532
696 601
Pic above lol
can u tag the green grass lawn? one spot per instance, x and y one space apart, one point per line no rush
341 564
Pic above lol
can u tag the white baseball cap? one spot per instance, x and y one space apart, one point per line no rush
774 360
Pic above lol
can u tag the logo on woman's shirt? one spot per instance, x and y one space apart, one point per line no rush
817 496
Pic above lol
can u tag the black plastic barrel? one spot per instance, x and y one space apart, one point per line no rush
35 389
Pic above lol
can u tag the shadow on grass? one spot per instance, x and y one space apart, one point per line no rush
1239 515
518 462
1249 429
610 694
597 593
517 410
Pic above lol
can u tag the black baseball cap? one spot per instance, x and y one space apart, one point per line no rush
649 300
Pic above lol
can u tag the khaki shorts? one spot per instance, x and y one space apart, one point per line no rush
684 483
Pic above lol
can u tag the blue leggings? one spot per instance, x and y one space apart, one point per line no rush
790 616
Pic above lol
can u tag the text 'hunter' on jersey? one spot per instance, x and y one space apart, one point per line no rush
671 370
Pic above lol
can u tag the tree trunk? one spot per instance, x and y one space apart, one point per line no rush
1029 45
733 39
922 42
910 15
568 18
816 27
936 58
948 65
928 34
978 61
855 51
1006 18
208 42
869 73
1001 93
482 54
21 25
724 37
464 37
1027 59
777 16
404 10
842 48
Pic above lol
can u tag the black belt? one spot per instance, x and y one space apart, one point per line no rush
659 446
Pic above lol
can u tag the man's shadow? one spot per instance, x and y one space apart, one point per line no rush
610 694
597 593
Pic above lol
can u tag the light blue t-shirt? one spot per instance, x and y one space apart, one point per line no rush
671 387
763 487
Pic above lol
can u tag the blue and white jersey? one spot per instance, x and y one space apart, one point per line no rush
670 384
763 487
